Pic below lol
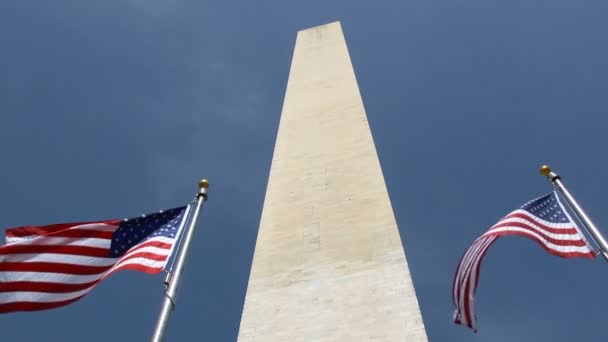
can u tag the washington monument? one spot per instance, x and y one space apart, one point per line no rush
329 264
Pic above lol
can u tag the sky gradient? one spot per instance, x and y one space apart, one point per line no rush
117 108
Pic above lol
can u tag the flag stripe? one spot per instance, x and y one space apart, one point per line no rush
31 295
54 249
571 238
51 266
466 261
52 277
39 286
39 231
105 232
66 229
544 220
33 306
474 253
63 287
557 244
473 281
82 260
65 241
556 228
557 250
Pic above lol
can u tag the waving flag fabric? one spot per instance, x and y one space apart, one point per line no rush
44 267
543 220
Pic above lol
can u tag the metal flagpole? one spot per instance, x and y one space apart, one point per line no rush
556 180
174 277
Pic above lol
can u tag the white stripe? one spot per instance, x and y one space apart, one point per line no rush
464 294
472 280
45 297
150 249
68 278
102 227
558 236
32 239
47 277
64 241
140 261
562 249
470 255
70 259
461 266
40 297
559 225
466 277
77 259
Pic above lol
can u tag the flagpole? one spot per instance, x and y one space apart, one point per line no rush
173 278
556 180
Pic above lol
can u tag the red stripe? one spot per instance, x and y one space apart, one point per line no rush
35 286
40 230
474 262
458 276
588 255
578 243
467 289
147 255
52 267
55 249
79 233
52 287
25 231
469 293
469 255
153 243
455 282
541 225
136 267
33 306
84 233
483 254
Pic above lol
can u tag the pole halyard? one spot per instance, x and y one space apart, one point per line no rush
173 278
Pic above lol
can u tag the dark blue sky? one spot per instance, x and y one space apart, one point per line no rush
116 108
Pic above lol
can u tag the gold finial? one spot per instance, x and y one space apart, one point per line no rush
545 170
203 184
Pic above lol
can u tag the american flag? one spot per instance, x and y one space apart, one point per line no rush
45 267
543 220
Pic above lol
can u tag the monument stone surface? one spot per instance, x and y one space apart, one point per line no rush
329 264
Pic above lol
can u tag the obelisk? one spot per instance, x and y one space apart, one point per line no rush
329 264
